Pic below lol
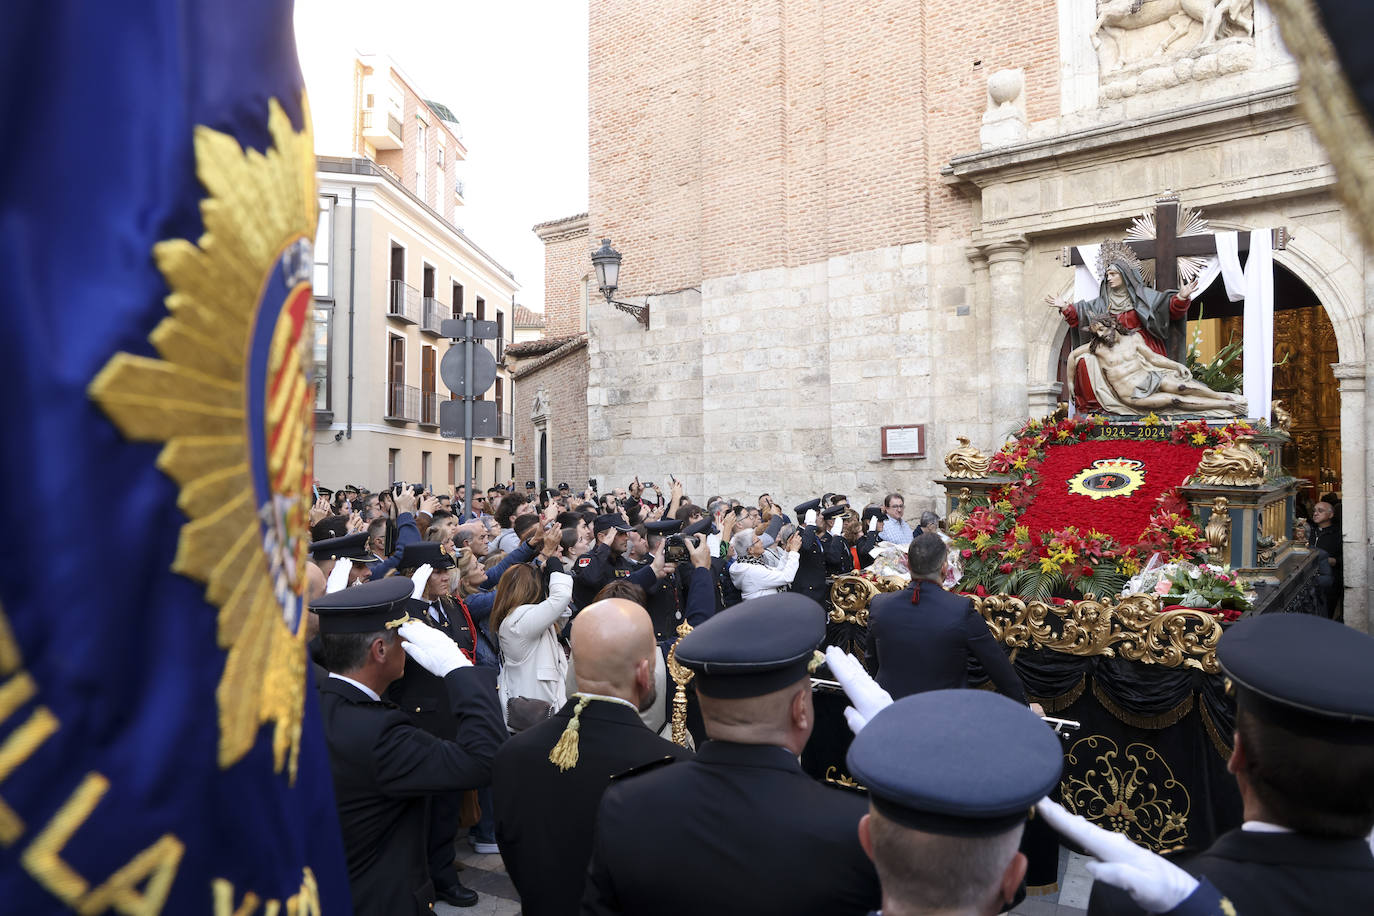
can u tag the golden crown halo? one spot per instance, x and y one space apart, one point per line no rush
243 284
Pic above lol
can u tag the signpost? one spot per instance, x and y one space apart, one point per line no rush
468 369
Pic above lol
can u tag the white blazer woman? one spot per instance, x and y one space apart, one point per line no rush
533 663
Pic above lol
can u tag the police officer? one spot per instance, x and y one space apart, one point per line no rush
350 547
385 768
810 578
425 698
1304 763
748 831
607 560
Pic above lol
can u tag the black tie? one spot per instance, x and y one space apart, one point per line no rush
439 610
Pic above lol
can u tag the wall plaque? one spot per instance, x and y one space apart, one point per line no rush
908 441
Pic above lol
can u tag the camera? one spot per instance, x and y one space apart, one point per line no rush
675 548
591 482
398 486
529 485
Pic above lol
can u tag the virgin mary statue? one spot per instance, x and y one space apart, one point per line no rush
1123 295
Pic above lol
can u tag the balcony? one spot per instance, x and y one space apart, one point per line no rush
429 408
402 404
458 192
404 303
382 129
431 316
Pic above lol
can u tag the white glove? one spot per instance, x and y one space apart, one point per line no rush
421 579
873 523
868 698
434 651
1154 883
338 576
836 528
810 517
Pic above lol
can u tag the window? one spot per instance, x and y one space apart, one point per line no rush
457 300
324 240
424 468
421 157
500 337
429 404
452 471
481 308
439 176
500 399
393 464
476 474
395 375
324 315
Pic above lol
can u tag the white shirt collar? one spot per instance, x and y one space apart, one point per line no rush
597 696
1263 827
372 694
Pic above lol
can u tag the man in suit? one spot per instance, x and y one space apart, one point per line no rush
920 638
546 811
1303 759
425 698
385 768
739 828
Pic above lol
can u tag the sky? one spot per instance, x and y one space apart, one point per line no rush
515 74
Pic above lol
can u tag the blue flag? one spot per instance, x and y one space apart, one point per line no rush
160 745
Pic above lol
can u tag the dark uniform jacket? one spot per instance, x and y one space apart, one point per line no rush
1284 874
810 578
737 829
839 557
385 768
545 817
421 694
595 568
925 646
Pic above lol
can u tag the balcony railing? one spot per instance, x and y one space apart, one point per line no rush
429 408
403 403
382 134
433 314
404 303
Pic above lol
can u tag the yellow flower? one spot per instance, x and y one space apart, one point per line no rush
956 526
1021 532
1066 555
1048 564
1199 438
1128 565
1184 531
1015 553
1096 535
1151 419
982 540
1019 464
1004 505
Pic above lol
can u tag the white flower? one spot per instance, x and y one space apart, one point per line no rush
1195 573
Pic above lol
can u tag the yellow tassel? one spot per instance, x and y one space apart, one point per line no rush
564 753
817 659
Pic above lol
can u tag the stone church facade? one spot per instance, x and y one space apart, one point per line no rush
845 217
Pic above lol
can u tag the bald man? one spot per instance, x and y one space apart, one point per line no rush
546 810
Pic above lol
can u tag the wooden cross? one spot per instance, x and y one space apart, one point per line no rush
1166 248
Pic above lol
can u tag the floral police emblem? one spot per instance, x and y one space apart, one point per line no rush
231 399
1107 477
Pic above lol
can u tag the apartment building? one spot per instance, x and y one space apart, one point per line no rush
391 265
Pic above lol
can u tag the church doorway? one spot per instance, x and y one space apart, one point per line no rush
1304 350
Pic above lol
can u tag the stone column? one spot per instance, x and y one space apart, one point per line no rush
1007 368
1044 399
981 428
1354 515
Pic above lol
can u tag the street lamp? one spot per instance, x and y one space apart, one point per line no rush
606 260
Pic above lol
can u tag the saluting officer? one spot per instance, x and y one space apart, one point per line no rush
810 578
1304 763
747 830
425 698
385 767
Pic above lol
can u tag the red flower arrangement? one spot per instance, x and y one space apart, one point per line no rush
1039 538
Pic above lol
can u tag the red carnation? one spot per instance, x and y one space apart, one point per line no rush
1086 571
1004 568
966 553
980 591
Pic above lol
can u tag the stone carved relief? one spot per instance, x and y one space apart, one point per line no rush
540 408
1147 45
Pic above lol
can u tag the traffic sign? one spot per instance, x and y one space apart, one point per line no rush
481 330
485 420
453 369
